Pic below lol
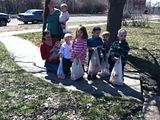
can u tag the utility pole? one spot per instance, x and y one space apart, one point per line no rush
73 5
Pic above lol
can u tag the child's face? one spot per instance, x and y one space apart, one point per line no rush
122 36
48 37
106 37
63 9
79 33
96 33
68 39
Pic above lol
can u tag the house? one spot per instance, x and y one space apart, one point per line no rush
135 6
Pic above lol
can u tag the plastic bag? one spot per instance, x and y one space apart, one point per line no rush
104 68
94 64
116 77
76 69
108 53
60 73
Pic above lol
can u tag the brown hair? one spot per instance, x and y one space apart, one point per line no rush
46 9
83 29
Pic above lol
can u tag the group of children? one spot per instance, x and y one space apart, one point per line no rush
77 47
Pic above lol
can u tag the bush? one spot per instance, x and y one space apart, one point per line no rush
90 6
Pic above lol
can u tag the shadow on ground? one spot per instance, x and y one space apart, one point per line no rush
97 87
148 70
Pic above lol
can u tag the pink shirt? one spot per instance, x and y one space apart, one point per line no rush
79 47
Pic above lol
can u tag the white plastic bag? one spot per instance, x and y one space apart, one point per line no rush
76 69
94 64
104 68
60 73
116 77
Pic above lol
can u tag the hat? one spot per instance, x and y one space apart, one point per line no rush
96 28
64 5
105 33
67 35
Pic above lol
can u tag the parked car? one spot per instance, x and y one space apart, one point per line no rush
4 19
32 15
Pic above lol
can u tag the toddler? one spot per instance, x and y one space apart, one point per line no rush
64 16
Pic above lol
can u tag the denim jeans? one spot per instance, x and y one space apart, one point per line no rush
51 67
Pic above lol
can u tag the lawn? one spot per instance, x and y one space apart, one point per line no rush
23 96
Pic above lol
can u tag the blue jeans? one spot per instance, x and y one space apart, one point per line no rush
51 67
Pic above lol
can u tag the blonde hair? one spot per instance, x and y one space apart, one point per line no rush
105 33
122 31
64 5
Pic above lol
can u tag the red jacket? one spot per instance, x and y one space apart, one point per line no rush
45 50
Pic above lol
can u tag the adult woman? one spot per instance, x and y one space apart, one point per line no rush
51 19
48 43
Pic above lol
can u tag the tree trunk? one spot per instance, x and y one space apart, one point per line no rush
115 16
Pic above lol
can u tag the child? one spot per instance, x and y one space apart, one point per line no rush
79 46
55 50
65 54
106 43
64 16
94 42
119 48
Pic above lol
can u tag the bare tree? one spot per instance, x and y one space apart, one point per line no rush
115 16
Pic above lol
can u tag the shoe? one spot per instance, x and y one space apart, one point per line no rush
91 77
81 78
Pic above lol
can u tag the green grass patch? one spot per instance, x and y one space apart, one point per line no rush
23 96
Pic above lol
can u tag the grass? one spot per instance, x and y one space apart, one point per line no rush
23 96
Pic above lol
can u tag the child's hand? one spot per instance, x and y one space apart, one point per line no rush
94 48
57 43
52 49
79 56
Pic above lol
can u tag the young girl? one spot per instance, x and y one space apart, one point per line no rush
65 54
79 45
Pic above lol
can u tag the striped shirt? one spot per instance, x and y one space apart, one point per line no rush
79 47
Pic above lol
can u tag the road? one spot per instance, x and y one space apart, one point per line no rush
14 21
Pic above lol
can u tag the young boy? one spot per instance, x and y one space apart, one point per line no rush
94 42
65 53
119 48
106 43
64 16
